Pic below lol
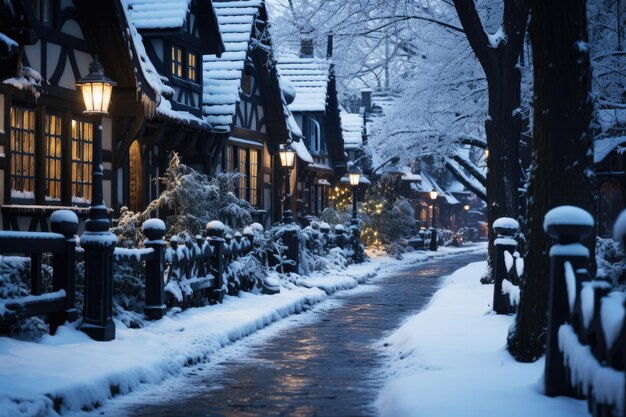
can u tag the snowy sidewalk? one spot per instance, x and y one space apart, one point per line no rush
69 371
451 360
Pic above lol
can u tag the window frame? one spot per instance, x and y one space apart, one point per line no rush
315 136
57 159
176 64
239 159
14 154
86 164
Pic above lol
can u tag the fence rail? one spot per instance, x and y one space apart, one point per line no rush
586 339
198 266
58 305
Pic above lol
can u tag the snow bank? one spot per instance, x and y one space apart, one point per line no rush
451 360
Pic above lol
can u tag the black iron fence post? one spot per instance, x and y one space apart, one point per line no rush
154 307
505 228
64 222
292 243
567 225
215 231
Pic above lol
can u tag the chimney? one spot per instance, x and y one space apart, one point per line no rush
329 46
366 99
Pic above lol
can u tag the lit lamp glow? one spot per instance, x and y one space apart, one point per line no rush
433 231
96 89
354 176
287 157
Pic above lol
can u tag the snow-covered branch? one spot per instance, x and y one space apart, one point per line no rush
472 184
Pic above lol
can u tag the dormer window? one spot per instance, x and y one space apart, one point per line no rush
246 85
43 11
192 67
177 61
315 136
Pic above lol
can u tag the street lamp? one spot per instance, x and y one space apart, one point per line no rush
354 176
97 241
433 227
287 157
466 208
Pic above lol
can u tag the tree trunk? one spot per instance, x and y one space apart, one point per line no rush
503 132
562 171
503 129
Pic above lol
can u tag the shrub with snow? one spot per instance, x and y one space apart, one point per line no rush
14 279
611 261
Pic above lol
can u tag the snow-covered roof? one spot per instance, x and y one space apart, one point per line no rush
352 130
154 79
411 177
603 147
428 183
309 78
159 14
302 151
222 76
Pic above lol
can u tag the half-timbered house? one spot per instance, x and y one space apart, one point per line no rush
45 141
242 96
316 110
171 37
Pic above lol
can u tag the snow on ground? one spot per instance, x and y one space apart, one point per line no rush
69 371
451 360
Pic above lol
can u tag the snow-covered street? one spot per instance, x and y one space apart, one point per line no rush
69 371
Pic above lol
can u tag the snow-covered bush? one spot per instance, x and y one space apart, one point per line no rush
611 262
14 278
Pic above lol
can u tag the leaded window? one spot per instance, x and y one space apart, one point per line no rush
177 61
254 177
52 157
82 151
243 178
192 65
22 153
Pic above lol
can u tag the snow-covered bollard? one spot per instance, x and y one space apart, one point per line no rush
215 231
154 307
340 239
248 233
505 228
64 222
568 225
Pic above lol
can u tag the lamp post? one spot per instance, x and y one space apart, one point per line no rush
97 241
466 208
433 226
287 158
354 176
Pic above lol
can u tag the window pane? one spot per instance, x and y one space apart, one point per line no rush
82 141
254 177
22 153
52 157
243 180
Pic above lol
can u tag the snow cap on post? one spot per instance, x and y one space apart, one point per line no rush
153 229
64 222
505 226
248 232
215 228
619 228
568 224
257 227
325 227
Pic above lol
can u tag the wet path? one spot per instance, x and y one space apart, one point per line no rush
323 367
